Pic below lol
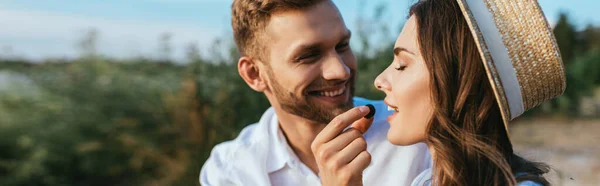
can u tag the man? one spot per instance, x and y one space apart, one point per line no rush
297 53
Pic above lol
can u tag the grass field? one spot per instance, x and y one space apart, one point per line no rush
570 147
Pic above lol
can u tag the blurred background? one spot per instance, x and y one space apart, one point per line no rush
138 92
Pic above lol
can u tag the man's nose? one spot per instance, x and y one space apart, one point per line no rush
334 68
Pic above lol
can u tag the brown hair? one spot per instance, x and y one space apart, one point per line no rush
250 17
466 132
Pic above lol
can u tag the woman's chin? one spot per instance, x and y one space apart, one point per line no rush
401 139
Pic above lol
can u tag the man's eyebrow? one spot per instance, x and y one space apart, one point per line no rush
307 47
302 49
397 51
316 45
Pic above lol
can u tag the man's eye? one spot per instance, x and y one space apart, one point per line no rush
308 56
342 46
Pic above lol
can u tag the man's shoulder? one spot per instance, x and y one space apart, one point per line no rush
238 154
229 161
252 136
246 140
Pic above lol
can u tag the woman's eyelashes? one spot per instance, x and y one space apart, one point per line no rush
400 68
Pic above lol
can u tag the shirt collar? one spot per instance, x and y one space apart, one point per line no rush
280 152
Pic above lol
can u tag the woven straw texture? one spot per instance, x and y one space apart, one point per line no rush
532 49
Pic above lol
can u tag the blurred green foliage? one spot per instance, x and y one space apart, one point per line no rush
99 121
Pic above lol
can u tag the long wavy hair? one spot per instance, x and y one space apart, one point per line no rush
470 143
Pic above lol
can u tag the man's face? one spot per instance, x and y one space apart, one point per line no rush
310 66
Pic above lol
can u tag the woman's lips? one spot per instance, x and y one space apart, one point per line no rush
391 108
389 119
395 110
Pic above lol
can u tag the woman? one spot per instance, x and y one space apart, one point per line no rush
462 70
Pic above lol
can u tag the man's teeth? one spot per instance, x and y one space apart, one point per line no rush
332 93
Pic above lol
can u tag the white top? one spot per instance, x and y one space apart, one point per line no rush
260 155
425 179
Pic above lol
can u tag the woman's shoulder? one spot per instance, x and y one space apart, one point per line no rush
526 182
423 179
529 183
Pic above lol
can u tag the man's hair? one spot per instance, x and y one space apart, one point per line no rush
250 17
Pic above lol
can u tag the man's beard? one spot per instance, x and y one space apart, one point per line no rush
306 108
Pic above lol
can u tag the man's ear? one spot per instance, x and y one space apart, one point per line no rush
249 71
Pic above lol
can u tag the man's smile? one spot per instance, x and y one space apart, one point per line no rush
333 94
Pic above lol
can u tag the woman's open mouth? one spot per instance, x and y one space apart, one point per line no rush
390 108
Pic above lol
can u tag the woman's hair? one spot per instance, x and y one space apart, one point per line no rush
466 132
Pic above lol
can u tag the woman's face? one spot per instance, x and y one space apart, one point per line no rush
406 85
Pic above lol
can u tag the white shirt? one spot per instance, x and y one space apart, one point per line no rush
260 155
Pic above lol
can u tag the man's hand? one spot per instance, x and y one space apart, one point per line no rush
342 156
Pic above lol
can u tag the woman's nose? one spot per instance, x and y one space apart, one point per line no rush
381 83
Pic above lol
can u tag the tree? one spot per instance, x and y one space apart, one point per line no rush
565 34
165 48
589 39
192 52
89 43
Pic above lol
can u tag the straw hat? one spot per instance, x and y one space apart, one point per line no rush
519 52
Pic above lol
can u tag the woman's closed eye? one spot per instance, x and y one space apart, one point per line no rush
400 68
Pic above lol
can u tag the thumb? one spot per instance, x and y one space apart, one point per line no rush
364 123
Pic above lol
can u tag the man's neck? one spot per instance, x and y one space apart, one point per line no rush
300 133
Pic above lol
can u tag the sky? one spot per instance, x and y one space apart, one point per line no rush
39 29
